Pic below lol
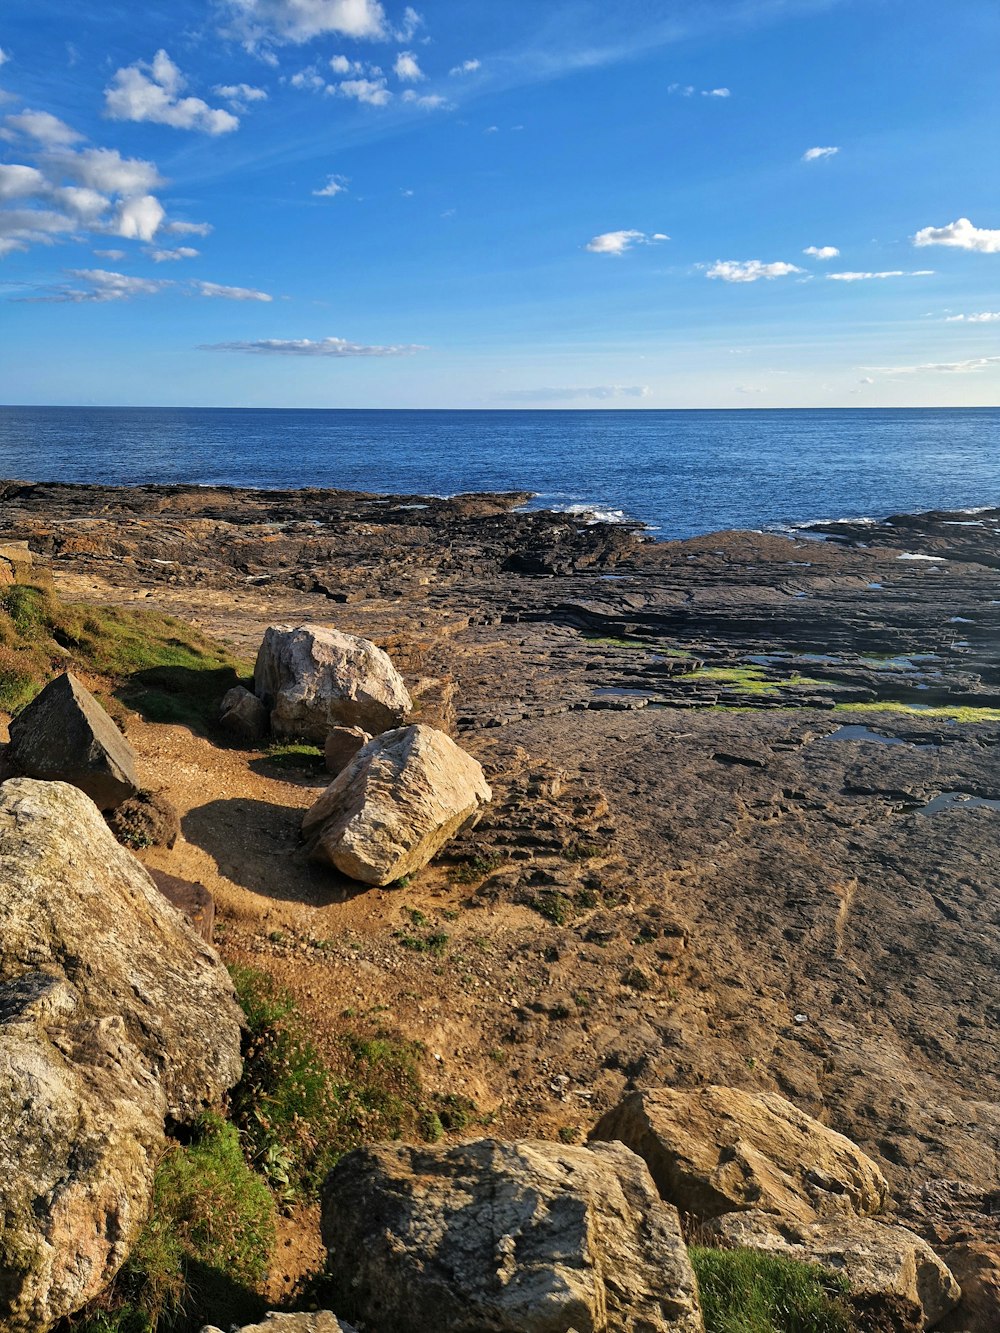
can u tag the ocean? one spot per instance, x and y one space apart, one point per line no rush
680 472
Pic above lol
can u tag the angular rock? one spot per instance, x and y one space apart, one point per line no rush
64 735
148 819
341 745
81 1126
397 803
313 678
73 902
886 1265
318 1321
243 715
715 1150
518 1237
192 900
975 1266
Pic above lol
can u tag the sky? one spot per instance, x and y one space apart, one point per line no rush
500 203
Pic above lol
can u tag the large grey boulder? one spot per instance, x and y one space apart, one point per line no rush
64 735
518 1237
398 801
75 903
317 1321
717 1149
886 1266
313 678
81 1126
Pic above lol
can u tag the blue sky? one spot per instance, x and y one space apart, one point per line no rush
500 203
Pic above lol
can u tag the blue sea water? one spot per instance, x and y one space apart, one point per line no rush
681 472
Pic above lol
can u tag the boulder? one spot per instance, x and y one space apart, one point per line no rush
243 716
318 1321
75 903
81 1127
192 900
714 1150
312 678
885 1265
975 1265
341 745
398 801
64 735
517 1237
148 819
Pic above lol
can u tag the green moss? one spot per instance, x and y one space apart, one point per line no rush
956 712
749 1291
294 757
612 642
749 680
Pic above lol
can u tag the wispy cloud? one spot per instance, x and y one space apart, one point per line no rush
601 392
334 185
886 273
466 67
189 228
689 90
216 289
259 22
334 347
172 256
968 367
427 101
815 154
4 56
618 242
240 95
40 126
983 317
962 235
407 68
749 270
152 91
372 92
822 251
101 285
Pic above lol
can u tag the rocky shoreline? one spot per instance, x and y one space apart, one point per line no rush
744 826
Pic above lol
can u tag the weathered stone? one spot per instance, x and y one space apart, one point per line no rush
397 803
313 678
243 715
714 1150
192 900
341 745
975 1266
74 902
881 1262
518 1237
81 1125
148 819
318 1321
64 735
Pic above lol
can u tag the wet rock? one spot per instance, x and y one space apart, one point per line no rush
398 802
65 735
148 819
883 1263
192 900
313 678
341 745
318 1321
81 1127
717 1149
75 903
518 1237
243 716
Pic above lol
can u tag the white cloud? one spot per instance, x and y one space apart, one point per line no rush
887 273
969 367
411 22
716 92
962 235
689 90
426 101
139 219
602 392
4 56
189 228
334 185
103 285
87 204
230 293
166 256
41 126
310 78
373 92
983 317
822 251
240 95
335 347
298 21
151 91
466 67
106 170
21 182
749 270
116 256
814 154
617 242
407 68
341 65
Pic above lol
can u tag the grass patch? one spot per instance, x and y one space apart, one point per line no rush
748 680
955 712
434 942
474 869
748 1291
612 642
293 757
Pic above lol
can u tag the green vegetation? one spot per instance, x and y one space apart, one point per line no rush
434 941
294 757
474 869
157 665
749 1291
748 680
562 908
612 642
956 712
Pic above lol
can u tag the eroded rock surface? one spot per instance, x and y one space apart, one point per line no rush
718 1149
313 678
525 1237
401 798
318 1321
